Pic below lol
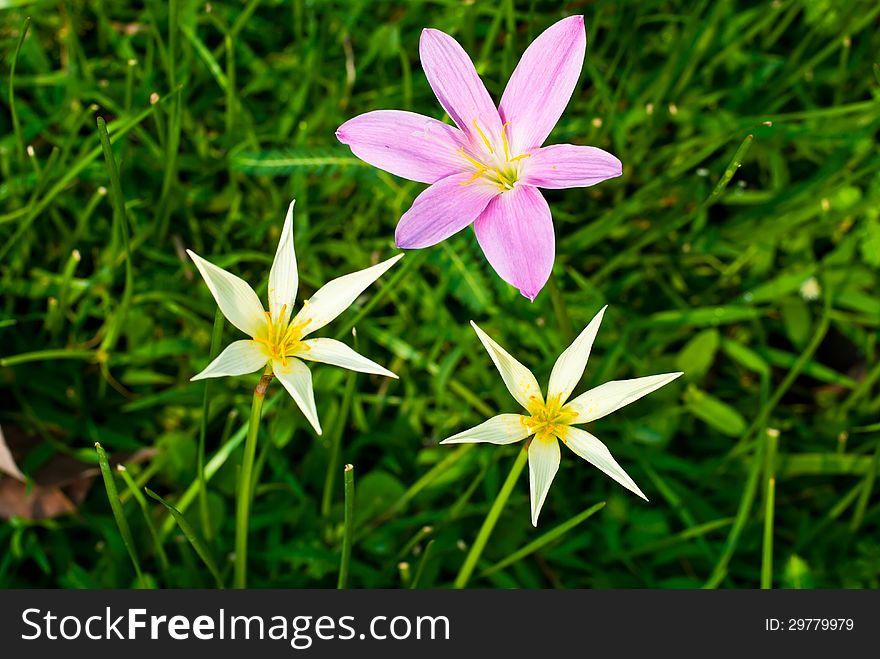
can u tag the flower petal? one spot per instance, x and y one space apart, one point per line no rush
336 353
283 277
520 382
459 89
297 379
336 296
406 144
611 396
597 454
516 234
235 297
543 465
239 358
442 210
569 368
542 83
501 429
569 166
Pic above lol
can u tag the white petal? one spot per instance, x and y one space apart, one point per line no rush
297 379
239 358
336 296
336 353
611 396
520 382
543 465
569 368
501 429
236 299
283 278
598 455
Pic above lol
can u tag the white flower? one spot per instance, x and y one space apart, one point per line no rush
277 339
554 418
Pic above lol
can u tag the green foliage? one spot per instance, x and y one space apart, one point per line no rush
740 245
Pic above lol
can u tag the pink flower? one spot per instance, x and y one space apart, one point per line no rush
487 171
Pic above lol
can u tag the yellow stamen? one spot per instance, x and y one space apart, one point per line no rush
515 158
485 139
475 163
504 139
473 178
269 322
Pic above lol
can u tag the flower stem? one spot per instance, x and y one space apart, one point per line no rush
245 487
470 561
563 321
348 531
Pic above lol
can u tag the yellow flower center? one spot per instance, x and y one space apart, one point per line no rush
489 166
283 338
549 418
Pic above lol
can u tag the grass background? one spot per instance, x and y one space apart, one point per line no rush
748 133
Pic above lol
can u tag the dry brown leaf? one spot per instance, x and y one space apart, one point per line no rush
58 487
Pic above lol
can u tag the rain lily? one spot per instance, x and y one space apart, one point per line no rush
556 416
277 336
487 169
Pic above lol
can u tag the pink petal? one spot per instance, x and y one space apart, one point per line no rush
542 83
458 87
442 210
405 143
569 166
516 234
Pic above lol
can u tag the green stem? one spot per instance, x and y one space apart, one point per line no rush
245 487
335 441
216 335
563 321
767 552
470 561
348 532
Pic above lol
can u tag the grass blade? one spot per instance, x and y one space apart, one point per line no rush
544 539
190 534
16 124
216 336
417 579
118 513
142 502
121 224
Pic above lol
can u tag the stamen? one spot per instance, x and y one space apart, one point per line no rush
520 157
473 178
288 335
504 139
269 322
475 163
485 139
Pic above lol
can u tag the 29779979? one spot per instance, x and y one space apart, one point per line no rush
809 624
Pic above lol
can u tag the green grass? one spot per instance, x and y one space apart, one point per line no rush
748 134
